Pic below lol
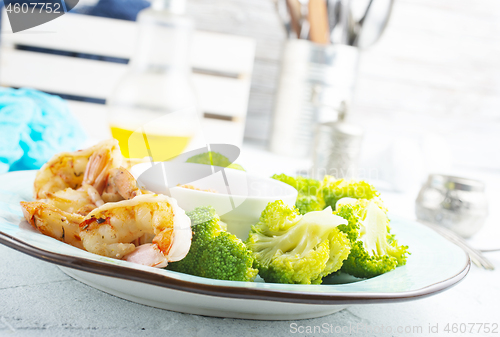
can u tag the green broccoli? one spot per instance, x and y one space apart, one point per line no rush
215 253
332 190
214 158
314 195
374 250
291 248
308 203
305 186
307 199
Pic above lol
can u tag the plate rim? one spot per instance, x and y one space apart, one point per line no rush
235 292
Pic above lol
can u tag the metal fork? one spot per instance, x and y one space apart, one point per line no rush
475 255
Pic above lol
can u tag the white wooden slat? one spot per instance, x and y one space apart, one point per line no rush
92 119
117 38
58 74
223 132
89 78
225 53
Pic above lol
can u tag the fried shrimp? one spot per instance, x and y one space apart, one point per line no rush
112 229
155 223
121 185
87 199
68 169
51 221
81 181
71 201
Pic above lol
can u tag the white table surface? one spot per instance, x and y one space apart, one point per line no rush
38 299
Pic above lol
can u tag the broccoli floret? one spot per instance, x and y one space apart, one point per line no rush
307 188
314 195
308 203
214 158
215 253
332 190
291 248
374 250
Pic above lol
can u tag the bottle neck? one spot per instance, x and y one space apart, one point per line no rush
164 42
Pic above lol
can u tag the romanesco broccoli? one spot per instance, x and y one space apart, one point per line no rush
374 250
215 253
291 248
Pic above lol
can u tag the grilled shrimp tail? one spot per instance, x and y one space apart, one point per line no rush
53 222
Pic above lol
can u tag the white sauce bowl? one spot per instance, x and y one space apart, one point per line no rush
239 203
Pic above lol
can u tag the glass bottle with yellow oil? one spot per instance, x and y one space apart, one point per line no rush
153 110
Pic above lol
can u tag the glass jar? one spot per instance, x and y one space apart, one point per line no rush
153 110
456 203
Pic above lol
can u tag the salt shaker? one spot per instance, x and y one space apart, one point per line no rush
336 152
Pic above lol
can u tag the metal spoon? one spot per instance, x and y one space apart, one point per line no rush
371 26
304 24
339 33
476 255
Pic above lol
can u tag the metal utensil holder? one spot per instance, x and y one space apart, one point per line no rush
315 81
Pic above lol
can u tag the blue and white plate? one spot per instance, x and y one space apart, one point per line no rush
434 265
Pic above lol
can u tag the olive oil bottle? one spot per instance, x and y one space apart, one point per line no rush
153 110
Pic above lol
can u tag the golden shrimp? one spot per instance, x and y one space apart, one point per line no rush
53 222
121 185
72 169
155 223
112 229
91 202
101 182
71 201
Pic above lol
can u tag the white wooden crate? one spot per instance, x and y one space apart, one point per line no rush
222 68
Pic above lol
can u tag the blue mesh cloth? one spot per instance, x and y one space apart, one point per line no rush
33 127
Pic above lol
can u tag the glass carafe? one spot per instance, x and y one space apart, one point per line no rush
153 110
